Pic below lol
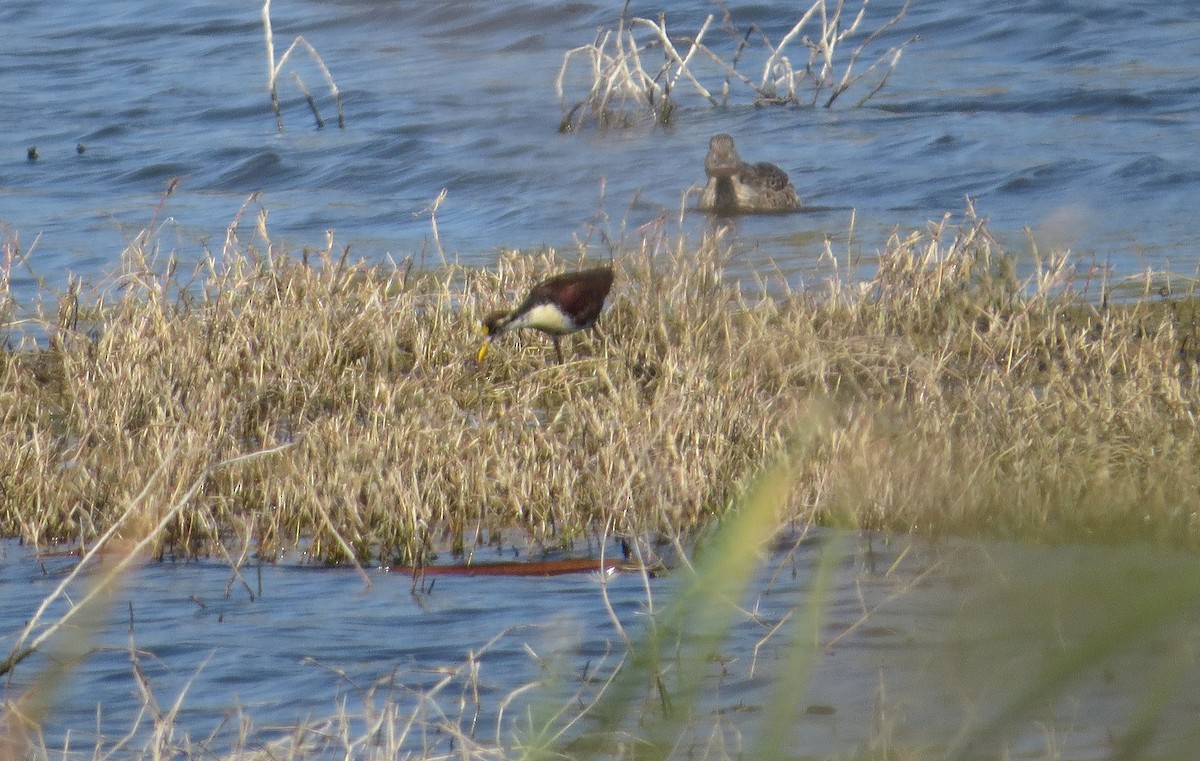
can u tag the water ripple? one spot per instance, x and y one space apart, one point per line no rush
1052 101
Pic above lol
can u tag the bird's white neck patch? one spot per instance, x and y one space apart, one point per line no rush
547 318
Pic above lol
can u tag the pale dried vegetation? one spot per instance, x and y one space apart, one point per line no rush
638 68
954 399
270 400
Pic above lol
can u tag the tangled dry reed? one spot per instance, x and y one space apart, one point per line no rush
618 88
953 399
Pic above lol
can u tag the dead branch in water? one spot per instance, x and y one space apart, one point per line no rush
620 88
274 69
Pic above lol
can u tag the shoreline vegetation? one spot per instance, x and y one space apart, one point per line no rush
263 405
269 401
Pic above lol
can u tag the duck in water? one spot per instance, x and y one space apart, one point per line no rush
735 187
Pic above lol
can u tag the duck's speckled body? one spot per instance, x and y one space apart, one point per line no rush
735 187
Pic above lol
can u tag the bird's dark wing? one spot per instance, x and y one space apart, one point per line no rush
582 294
764 175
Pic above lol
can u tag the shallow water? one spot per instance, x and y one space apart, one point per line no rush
919 642
1077 119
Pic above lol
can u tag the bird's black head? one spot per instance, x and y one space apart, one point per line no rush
493 324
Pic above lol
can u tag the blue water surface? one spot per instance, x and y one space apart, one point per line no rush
1077 120
1071 125
916 645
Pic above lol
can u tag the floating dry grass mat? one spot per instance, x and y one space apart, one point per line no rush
963 401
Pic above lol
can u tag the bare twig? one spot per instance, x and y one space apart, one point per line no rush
274 69
777 52
312 103
660 31
848 80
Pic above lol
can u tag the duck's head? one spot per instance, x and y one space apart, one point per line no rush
722 159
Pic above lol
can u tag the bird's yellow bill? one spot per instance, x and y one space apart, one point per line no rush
483 350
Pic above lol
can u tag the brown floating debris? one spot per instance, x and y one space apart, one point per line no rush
499 568
516 568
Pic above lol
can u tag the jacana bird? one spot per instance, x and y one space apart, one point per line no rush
563 304
735 187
